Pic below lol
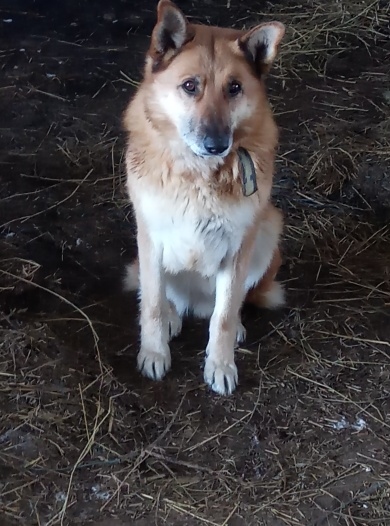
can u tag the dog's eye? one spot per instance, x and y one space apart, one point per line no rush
190 87
234 88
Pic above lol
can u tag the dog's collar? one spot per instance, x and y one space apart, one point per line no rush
248 172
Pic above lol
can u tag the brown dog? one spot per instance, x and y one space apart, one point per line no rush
200 162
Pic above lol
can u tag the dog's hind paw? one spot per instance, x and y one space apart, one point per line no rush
221 377
241 333
174 322
154 364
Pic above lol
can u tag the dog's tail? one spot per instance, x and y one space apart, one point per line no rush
131 278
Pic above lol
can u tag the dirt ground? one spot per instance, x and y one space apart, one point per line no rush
84 439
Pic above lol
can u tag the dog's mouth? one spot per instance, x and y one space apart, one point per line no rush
212 153
206 155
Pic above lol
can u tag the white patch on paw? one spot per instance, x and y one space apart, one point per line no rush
241 333
154 364
221 377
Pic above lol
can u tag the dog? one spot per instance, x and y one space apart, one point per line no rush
200 163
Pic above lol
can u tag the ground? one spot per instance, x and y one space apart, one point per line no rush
84 438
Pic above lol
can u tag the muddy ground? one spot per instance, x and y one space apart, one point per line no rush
84 439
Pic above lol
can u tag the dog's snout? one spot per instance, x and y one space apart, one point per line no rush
216 142
216 145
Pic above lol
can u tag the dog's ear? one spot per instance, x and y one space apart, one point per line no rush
171 30
260 45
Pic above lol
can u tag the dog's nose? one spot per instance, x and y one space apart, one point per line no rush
215 145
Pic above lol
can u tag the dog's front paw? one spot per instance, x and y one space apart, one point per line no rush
221 376
154 364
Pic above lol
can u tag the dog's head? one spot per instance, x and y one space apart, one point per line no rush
206 82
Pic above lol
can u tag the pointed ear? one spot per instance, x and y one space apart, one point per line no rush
171 30
260 45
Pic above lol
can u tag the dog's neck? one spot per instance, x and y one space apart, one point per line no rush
237 165
185 160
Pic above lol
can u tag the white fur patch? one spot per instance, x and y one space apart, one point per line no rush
193 247
193 239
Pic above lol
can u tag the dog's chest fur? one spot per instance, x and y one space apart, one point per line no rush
194 232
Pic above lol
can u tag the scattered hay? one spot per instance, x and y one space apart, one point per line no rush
305 440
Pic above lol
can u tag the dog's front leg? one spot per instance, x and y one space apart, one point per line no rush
154 357
220 370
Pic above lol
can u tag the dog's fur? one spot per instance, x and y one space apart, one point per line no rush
203 247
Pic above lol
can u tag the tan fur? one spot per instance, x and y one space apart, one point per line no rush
186 202
258 294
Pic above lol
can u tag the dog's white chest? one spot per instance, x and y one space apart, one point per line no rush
193 238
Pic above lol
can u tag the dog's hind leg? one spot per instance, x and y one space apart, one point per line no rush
268 293
262 289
